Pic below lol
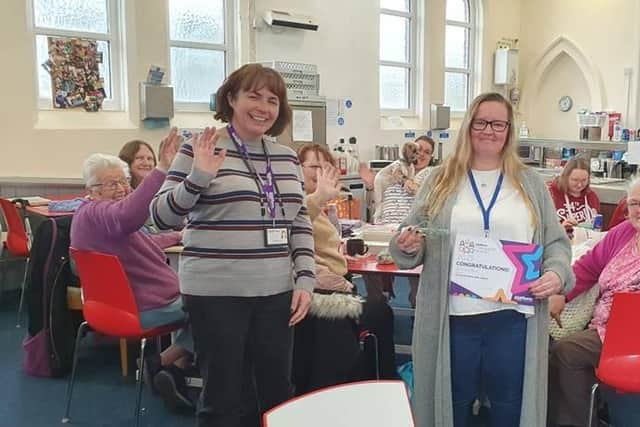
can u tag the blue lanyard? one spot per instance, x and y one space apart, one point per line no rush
485 212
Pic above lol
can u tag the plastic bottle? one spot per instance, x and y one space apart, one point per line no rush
524 130
617 131
353 156
332 213
341 157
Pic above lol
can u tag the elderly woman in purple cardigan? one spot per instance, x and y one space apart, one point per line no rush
110 220
614 265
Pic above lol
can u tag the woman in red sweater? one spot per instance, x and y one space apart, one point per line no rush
575 202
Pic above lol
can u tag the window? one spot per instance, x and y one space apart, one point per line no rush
397 55
459 54
88 19
201 39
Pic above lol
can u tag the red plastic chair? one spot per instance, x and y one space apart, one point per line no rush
619 365
109 308
619 215
18 242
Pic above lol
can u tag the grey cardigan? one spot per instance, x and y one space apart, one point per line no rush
431 359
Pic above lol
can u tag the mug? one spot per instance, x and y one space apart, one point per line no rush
356 247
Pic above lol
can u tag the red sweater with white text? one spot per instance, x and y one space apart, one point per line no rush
582 208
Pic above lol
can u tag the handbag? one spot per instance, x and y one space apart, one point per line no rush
576 315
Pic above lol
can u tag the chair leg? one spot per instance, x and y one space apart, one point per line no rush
143 343
592 402
82 329
124 357
24 281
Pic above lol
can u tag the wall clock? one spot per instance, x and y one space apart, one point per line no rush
565 103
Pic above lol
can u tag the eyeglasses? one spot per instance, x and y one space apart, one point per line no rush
634 204
112 185
496 125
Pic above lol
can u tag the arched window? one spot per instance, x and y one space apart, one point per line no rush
398 28
201 34
459 52
95 22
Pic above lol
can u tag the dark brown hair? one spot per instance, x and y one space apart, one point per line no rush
320 150
253 77
128 154
432 143
576 163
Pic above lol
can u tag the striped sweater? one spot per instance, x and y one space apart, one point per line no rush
224 239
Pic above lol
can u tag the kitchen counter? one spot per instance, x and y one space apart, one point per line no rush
608 192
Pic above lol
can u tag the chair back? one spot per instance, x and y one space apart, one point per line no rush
17 240
366 403
619 365
108 302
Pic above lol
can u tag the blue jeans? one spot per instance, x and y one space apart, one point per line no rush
487 353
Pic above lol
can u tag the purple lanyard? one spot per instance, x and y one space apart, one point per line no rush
267 187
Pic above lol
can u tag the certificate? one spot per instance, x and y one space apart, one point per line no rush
494 270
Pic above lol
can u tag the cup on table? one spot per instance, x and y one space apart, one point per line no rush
356 247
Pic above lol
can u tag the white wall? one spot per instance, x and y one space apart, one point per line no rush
54 144
545 120
604 34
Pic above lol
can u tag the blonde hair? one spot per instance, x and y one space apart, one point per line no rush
577 163
458 164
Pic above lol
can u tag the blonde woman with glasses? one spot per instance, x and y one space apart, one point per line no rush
461 344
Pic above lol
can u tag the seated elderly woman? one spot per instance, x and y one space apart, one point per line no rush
614 263
326 346
110 221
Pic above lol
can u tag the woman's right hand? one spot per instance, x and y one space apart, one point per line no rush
410 240
168 149
556 305
204 157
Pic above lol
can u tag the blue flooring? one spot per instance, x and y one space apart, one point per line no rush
102 397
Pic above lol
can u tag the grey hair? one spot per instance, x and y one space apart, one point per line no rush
633 184
99 161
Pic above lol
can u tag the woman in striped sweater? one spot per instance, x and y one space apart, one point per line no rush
247 270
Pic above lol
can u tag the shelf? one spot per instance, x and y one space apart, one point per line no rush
585 145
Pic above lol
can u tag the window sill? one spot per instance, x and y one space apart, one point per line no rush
195 120
80 119
401 123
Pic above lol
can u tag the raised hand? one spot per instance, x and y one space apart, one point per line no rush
168 148
328 183
367 175
204 145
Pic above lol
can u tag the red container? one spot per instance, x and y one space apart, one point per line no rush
613 118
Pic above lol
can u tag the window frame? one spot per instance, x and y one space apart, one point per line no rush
228 47
470 70
410 65
116 51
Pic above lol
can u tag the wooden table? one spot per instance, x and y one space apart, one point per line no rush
43 210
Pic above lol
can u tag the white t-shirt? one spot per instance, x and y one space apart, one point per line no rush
509 219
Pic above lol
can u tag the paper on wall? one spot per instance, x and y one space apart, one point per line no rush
633 152
302 125
335 112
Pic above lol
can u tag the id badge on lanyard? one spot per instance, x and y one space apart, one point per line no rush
273 235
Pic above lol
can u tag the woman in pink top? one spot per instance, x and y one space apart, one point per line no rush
614 264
